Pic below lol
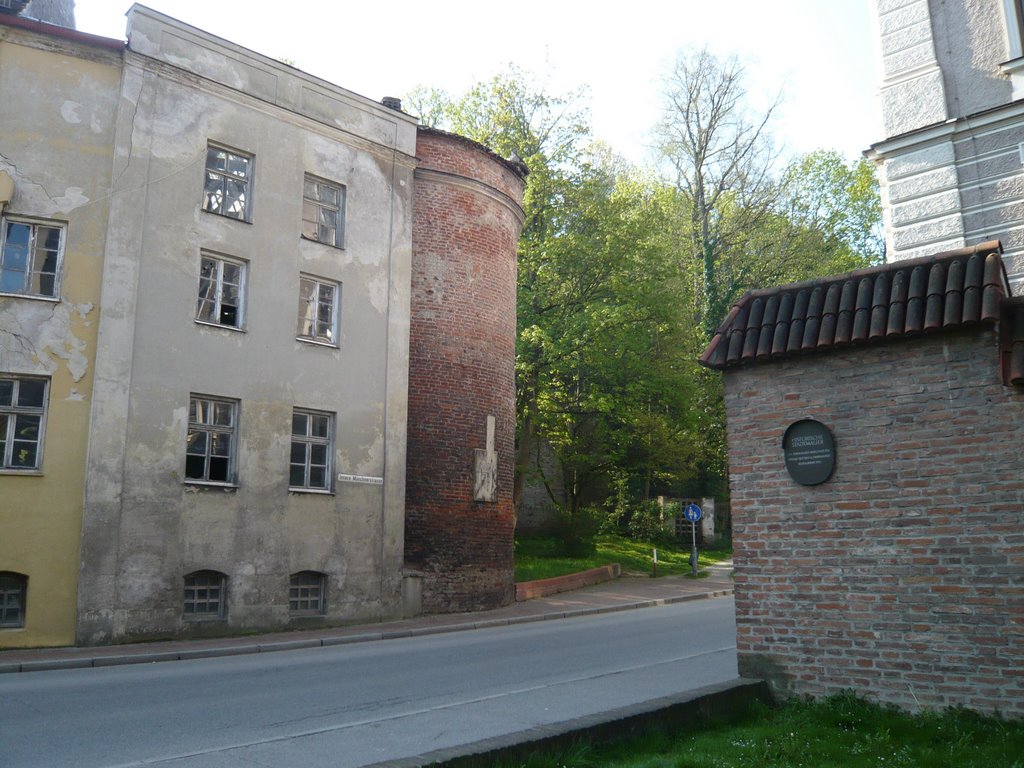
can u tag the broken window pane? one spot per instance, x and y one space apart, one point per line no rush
31 393
322 211
226 189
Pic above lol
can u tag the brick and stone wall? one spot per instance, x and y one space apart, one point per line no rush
902 577
466 223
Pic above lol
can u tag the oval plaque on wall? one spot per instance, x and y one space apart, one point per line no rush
810 452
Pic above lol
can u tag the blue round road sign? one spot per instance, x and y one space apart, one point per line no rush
692 513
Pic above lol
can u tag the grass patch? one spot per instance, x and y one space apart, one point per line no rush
839 731
542 557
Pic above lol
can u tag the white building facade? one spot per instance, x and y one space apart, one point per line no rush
952 160
246 460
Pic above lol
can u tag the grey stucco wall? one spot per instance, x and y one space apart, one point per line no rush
951 164
145 528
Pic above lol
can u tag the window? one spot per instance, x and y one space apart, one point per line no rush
318 310
22 418
306 593
204 595
221 291
30 257
212 427
1014 15
312 446
13 590
323 211
228 183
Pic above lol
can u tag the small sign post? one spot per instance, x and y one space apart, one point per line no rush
693 514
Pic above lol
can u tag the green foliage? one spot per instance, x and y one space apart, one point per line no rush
542 557
622 275
577 531
649 522
840 202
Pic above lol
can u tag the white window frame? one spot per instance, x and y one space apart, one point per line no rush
191 596
204 421
300 593
11 413
312 305
308 442
33 270
216 284
317 212
219 179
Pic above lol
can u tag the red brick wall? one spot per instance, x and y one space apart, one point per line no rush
466 222
902 577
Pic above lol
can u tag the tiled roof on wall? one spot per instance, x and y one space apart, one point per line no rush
892 301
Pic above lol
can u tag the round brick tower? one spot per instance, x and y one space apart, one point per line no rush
459 522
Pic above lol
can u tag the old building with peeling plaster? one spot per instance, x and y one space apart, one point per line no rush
208 282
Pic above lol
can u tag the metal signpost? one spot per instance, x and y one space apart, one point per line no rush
693 514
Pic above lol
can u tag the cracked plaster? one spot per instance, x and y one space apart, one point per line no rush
36 336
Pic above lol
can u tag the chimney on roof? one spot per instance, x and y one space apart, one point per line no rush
58 12
392 102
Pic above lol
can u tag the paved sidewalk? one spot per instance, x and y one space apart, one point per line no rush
625 593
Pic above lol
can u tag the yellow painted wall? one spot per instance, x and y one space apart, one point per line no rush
58 102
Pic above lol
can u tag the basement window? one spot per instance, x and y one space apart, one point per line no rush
13 591
306 594
205 595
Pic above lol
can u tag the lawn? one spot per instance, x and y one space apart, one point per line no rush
842 731
542 557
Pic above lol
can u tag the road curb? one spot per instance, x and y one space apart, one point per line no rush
241 649
723 701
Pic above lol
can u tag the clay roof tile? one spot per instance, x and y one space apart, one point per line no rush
829 315
952 314
994 287
897 304
782 326
862 313
916 299
844 320
735 336
972 289
764 338
813 322
796 323
879 307
891 301
753 328
936 297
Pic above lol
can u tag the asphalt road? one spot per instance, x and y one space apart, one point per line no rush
355 705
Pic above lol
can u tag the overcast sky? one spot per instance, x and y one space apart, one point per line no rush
821 54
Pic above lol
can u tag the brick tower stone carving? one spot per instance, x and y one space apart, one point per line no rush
467 216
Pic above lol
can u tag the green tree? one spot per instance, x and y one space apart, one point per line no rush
839 200
606 371
719 154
